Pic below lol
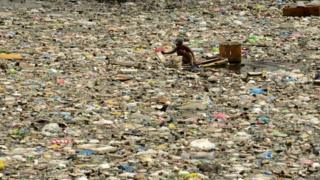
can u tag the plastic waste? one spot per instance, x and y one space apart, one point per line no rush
256 91
86 152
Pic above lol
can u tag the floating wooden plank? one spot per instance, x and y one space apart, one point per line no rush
216 63
122 77
209 61
11 56
217 58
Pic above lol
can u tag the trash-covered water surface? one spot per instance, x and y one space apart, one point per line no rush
86 93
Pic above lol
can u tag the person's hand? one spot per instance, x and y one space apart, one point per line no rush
159 50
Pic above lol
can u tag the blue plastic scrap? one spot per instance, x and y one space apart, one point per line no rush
267 155
264 119
86 152
126 167
255 91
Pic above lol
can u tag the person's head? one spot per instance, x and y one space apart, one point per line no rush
179 42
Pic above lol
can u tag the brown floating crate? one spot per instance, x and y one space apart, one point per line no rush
231 50
300 11
223 50
313 10
294 11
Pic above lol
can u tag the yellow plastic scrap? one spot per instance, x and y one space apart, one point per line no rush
2 165
162 147
12 56
264 73
110 102
139 49
2 89
55 146
88 56
261 7
172 126
117 114
151 82
193 176
190 176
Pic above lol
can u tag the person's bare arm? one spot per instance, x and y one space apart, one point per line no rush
170 52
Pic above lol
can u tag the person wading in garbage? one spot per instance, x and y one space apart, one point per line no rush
188 57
